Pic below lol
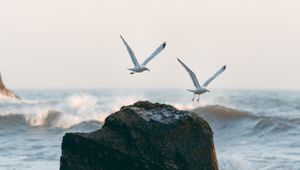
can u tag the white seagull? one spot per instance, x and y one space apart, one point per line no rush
200 89
137 67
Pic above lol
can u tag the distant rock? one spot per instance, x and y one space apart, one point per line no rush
144 135
6 93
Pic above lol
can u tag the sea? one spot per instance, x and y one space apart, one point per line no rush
253 129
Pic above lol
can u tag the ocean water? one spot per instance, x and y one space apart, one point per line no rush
253 129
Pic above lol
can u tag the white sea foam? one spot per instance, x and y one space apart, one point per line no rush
232 161
37 119
72 110
81 102
8 99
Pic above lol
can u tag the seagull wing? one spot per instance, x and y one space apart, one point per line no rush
214 76
133 58
191 73
157 51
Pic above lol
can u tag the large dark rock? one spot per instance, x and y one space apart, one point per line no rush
143 136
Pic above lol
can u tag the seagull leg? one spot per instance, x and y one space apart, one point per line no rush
193 97
198 98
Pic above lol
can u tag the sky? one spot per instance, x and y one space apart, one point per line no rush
74 44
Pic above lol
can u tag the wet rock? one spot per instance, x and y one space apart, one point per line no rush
143 136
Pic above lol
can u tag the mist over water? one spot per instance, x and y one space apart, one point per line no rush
253 129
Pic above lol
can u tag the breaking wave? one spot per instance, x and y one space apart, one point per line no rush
222 111
47 119
66 113
218 116
82 108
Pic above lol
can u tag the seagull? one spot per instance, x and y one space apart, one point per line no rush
200 89
137 67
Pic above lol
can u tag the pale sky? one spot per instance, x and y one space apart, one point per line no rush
76 43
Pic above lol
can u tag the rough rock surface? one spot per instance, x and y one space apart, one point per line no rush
143 136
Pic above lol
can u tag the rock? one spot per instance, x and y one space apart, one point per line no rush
6 93
143 136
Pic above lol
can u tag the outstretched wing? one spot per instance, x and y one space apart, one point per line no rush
132 56
157 51
191 73
214 76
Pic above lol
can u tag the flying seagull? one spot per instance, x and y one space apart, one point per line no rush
138 68
200 89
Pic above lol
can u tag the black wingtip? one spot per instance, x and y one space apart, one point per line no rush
164 44
224 67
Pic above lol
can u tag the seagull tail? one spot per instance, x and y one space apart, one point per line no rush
190 90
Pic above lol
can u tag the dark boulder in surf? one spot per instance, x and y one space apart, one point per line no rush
143 136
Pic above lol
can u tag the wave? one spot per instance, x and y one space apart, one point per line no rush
77 108
48 119
81 102
234 161
65 113
222 111
275 124
221 116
